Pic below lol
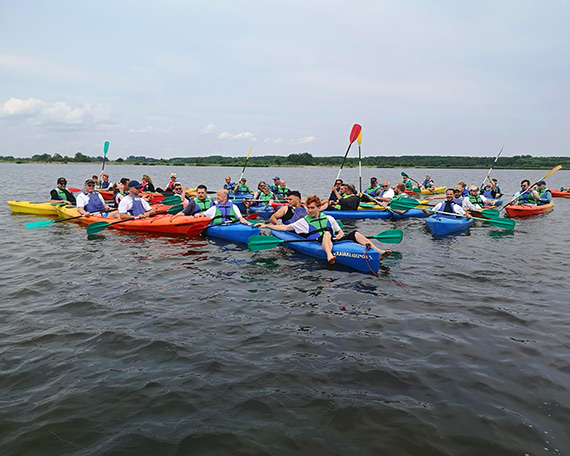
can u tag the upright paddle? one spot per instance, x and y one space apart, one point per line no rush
356 129
359 140
415 190
488 175
100 226
405 204
105 150
257 243
553 170
245 164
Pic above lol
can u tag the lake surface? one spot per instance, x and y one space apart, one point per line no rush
126 343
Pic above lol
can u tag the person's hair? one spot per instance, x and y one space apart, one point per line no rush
449 189
147 178
463 184
105 175
94 177
400 186
124 180
294 193
261 182
525 180
177 184
313 199
337 181
202 186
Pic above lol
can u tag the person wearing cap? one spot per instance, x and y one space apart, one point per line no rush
347 199
333 198
229 185
241 189
373 187
474 201
90 201
324 229
170 185
275 186
448 207
133 205
526 195
223 210
60 194
282 190
543 193
291 212
428 183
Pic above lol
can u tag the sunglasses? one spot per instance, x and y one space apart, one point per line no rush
384 186
62 183
177 188
90 185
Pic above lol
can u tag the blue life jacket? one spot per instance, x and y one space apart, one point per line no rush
137 208
293 214
488 194
224 213
94 204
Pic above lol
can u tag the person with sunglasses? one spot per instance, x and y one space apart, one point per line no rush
334 191
373 187
474 201
384 193
61 194
90 201
180 192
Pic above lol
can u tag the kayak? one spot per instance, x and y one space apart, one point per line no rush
27 207
423 191
442 224
154 197
164 224
559 194
359 214
347 253
263 211
525 210
416 213
233 232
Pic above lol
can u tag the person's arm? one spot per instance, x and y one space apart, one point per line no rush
240 217
210 212
276 227
279 213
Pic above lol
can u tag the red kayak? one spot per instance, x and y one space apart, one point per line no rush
155 197
525 210
560 194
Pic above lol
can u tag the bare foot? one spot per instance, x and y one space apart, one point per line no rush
385 253
331 260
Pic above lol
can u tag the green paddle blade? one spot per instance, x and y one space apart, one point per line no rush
506 224
170 200
39 224
416 190
404 204
390 236
492 213
95 227
106 148
257 243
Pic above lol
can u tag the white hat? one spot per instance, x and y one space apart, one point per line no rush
173 175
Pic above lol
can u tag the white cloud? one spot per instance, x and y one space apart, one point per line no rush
38 112
273 141
231 136
208 129
150 129
305 140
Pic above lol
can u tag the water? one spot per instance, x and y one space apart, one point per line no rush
126 343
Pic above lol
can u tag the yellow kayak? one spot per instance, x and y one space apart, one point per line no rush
371 206
423 191
27 207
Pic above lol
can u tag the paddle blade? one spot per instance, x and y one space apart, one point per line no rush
249 152
356 129
106 148
39 224
252 216
170 200
95 227
506 224
257 243
390 236
359 139
491 213
173 210
403 204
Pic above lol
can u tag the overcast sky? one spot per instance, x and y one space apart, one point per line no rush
196 78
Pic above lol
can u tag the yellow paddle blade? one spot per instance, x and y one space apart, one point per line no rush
359 139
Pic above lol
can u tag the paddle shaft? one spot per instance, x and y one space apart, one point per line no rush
553 170
245 164
356 129
491 168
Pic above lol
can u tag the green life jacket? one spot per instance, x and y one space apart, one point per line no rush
542 192
371 190
318 226
265 198
203 205
224 213
409 185
61 193
476 200
526 198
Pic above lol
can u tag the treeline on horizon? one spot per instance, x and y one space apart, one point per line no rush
306 159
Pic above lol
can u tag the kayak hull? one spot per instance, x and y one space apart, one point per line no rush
427 192
347 253
440 225
410 213
162 224
263 211
523 210
559 194
27 207
233 232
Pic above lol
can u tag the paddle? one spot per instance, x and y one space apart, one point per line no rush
506 224
42 223
405 204
257 243
105 150
356 129
245 164
359 140
170 200
488 175
252 216
553 170
100 226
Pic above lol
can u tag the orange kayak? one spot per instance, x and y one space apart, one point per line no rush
155 197
166 224
560 194
525 210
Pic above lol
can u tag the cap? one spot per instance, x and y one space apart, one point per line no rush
295 193
89 181
351 187
473 187
373 179
243 179
135 184
61 180
541 183
457 187
276 178
173 175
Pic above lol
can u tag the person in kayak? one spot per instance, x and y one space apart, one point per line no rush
474 201
347 199
241 189
385 193
324 229
543 193
89 201
223 211
180 192
449 207
133 205
170 185
286 215
428 183
333 198
265 197
399 193
373 188
275 186
282 191
120 190
147 184
407 182
60 194
200 203
526 195
229 185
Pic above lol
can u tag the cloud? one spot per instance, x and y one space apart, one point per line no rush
231 136
273 141
150 129
208 129
59 114
305 140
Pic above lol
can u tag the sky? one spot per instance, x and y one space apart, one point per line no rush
197 78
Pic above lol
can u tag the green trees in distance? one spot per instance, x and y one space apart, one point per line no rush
306 159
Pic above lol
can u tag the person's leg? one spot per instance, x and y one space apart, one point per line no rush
363 240
327 245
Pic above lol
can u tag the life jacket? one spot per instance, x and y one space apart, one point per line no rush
488 194
265 198
476 200
62 195
281 191
105 185
170 185
427 183
203 205
137 208
527 198
447 207
94 204
293 214
458 200
370 190
230 187
464 193
409 185
118 196
545 196
224 213
241 189
355 206
317 226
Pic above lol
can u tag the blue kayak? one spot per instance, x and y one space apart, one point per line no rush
263 211
347 253
442 224
234 232
417 213
359 214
